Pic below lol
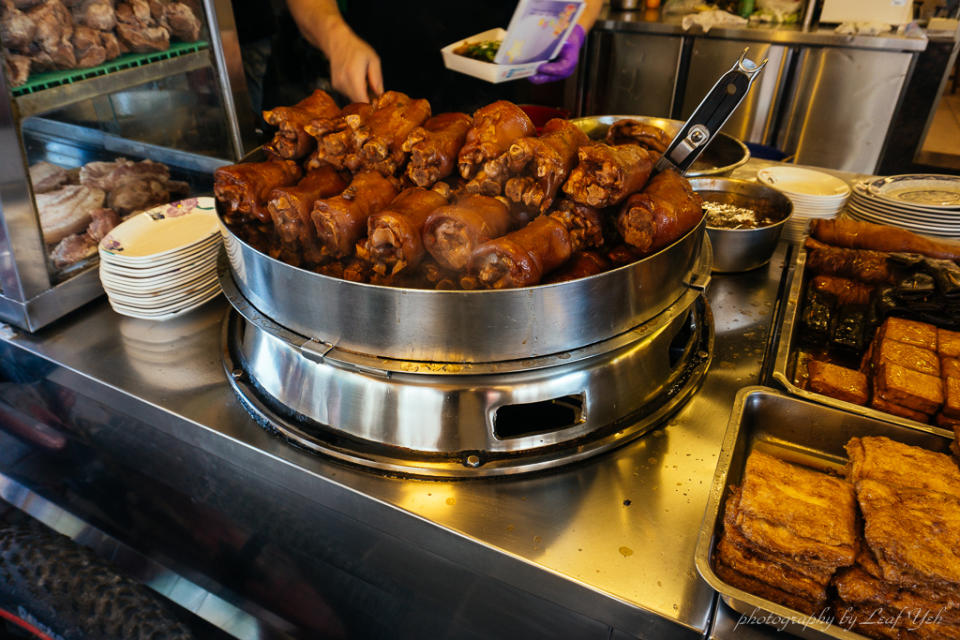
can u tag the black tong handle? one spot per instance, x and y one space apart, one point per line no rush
722 100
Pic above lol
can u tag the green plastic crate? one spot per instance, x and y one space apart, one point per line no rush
49 79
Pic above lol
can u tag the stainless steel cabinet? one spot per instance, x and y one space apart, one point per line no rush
842 105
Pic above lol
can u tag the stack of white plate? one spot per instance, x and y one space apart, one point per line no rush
814 195
925 203
162 263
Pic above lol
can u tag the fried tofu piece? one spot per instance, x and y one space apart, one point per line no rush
933 630
837 382
911 389
950 367
879 403
913 533
906 355
912 332
856 586
901 465
948 343
762 589
732 535
951 398
795 511
774 574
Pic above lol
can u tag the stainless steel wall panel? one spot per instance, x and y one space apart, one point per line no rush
711 58
842 106
632 75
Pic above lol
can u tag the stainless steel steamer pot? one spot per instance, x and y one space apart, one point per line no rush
464 326
478 326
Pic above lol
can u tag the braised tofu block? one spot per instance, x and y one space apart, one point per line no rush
951 398
948 343
895 409
797 512
913 533
837 382
902 465
906 355
908 388
950 367
946 422
912 332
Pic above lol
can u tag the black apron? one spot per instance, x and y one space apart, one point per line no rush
408 37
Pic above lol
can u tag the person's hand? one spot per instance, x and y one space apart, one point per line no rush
565 63
354 67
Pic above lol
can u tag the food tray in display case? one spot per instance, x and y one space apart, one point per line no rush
788 350
53 293
797 431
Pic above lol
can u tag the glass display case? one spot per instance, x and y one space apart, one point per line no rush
186 107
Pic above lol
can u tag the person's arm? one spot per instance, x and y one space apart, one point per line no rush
354 65
566 61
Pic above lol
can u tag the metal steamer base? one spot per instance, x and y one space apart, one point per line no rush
450 420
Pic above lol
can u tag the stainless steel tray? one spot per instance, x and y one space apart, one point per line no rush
724 153
798 431
785 361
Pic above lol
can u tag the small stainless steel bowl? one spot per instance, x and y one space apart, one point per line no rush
736 250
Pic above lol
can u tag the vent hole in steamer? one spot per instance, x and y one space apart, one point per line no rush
526 419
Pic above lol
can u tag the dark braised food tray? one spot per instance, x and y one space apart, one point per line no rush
878 322
387 193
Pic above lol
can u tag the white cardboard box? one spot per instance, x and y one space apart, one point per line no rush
895 12
486 70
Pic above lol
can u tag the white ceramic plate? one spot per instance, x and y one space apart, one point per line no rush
155 300
194 261
149 305
167 316
164 229
926 190
166 309
154 288
159 284
152 261
797 180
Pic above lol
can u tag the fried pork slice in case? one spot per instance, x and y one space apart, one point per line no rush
798 512
913 533
837 382
759 588
906 355
901 465
911 389
920 334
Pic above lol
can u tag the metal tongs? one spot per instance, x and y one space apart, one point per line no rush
700 128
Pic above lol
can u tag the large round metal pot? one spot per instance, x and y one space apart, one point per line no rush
724 153
466 326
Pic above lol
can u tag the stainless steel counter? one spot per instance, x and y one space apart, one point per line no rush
655 23
596 550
